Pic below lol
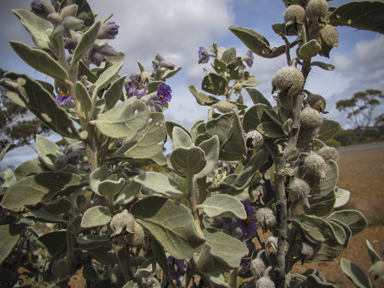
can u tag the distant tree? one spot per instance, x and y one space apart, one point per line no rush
360 108
17 124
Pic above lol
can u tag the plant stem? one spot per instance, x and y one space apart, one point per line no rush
193 203
233 278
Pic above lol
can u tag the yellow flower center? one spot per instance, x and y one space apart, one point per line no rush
64 94
161 96
249 220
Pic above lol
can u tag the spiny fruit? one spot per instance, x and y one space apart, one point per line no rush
316 10
258 267
122 222
328 39
294 14
315 165
265 218
287 80
300 189
253 139
328 153
310 119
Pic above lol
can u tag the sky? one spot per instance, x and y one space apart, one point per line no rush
177 28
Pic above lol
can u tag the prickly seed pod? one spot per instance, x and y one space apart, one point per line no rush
294 13
316 10
121 223
316 102
265 218
300 189
287 80
377 271
306 250
315 165
137 238
258 266
328 153
330 35
117 276
253 140
265 281
310 119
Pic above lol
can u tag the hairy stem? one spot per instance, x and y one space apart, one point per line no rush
193 203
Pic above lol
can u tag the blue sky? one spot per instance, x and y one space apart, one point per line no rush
176 29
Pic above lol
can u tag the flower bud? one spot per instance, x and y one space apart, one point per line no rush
108 30
329 153
265 218
55 18
42 7
315 165
254 139
237 87
300 189
72 23
145 77
287 80
316 102
107 50
377 271
70 10
316 10
310 119
294 14
167 64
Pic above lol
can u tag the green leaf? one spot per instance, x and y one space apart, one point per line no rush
113 94
96 216
322 65
326 186
159 254
372 253
255 116
342 197
128 194
180 138
355 274
310 233
271 130
48 151
54 241
214 84
105 78
159 183
153 86
38 188
92 241
85 43
43 216
211 149
197 128
228 55
39 60
170 125
220 253
354 219
9 235
219 66
148 141
222 205
249 80
6 178
365 15
84 71
83 96
256 42
202 99
314 281
162 218
98 106
29 168
98 176
169 73
41 103
110 188
328 130
124 120
228 128
5 150
309 49
321 206
187 161
36 26
84 11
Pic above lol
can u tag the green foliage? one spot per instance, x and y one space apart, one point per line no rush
107 196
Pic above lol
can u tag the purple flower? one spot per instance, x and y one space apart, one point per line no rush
134 88
63 98
203 55
108 30
248 226
176 271
248 59
164 93
37 7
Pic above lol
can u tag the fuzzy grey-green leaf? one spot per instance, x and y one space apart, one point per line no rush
355 274
95 217
83 96
354 219
9 235
202 98
48 151
162 218
159 183
222 205
187 161
86 42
